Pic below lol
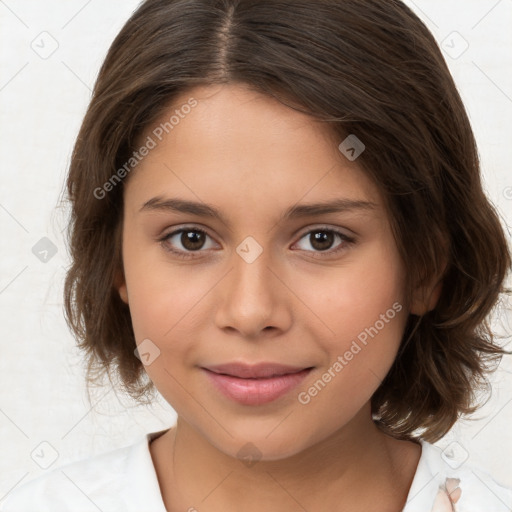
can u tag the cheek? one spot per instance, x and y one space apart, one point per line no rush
366 316
363 298
165 309
165 300
364 311
161 305
354 298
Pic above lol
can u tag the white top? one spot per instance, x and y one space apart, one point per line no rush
125 480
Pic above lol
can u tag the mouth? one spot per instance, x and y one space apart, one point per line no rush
255 384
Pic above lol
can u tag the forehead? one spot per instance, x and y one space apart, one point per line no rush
236 147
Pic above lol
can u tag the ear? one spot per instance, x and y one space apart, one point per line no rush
425 297
120 285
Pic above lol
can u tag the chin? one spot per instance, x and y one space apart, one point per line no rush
257 443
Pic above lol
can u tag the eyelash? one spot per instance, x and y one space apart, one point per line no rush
348 241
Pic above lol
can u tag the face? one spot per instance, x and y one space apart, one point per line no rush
304 305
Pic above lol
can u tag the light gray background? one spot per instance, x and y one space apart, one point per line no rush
43 98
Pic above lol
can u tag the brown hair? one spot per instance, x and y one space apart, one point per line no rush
367 67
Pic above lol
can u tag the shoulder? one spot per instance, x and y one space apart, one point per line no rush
442 471
119 480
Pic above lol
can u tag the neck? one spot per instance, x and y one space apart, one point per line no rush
355 468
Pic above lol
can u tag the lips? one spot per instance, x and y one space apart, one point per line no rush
256 371
255 384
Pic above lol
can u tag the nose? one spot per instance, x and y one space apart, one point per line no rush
253 300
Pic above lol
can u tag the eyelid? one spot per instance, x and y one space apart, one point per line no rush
318 227
299 233
185 227
166 235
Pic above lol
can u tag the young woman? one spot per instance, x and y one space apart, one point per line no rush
278 217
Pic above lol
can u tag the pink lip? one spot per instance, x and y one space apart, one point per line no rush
255 384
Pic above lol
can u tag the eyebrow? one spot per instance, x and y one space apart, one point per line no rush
200 209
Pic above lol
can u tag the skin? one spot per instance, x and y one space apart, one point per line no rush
252 158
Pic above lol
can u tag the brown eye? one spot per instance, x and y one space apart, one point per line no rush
192 240
185 241
322 240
